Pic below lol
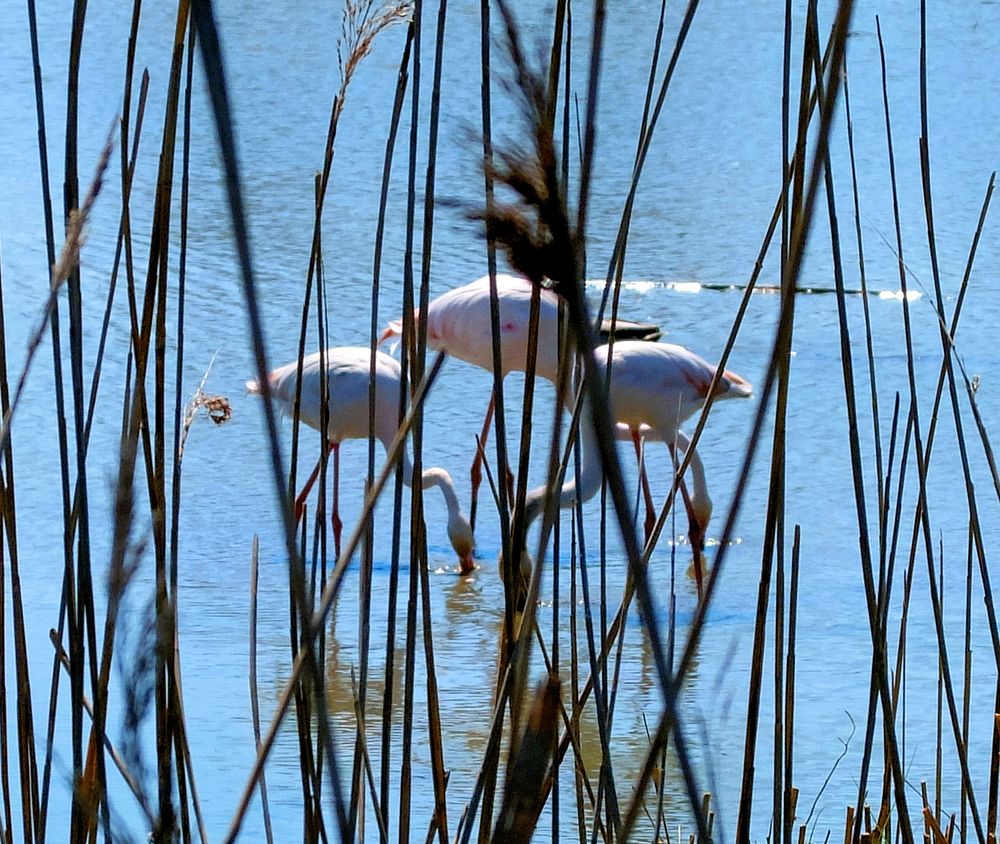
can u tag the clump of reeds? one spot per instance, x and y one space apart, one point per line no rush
542 238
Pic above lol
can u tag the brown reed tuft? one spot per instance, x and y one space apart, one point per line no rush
362 22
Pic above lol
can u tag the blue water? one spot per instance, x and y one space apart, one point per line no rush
707 193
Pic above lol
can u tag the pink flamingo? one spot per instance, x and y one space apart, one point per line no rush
654 388
347 373
459 323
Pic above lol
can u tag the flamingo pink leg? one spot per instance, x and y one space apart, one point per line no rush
338 525
300 499
696 533
476 473
647 495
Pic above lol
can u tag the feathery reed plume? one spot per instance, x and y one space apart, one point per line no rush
534 230
216 408
363 21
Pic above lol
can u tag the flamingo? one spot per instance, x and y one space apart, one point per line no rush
459 323
347 373
654 387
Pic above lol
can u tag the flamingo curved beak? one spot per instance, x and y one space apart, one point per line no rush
466 565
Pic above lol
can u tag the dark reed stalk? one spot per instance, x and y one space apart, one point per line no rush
589 123
325 602
775 507
382 798
918 441
212 59
254 694
312 817
369 773
128 776
835 52
939 709
790 795
615 627
574 731
408 353
777 795
891 560
614 812
967 684
970 388
646 139
417 364
36 829
947 342
316 742
434 717
862 277
78 621
605 785
786 168
498 392
898 690
8 540
386 729
555 670
86 626
307 768
219 412
994 770
553 253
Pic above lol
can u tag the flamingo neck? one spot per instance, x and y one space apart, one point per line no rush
459 530
441 479
701 502
583 486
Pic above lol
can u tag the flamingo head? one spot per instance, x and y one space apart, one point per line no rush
463 541
699 515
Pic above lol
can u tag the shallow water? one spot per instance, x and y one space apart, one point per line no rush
707 193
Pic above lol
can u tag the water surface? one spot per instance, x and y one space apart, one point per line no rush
707 193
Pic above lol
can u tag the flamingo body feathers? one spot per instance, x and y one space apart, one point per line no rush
348 371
